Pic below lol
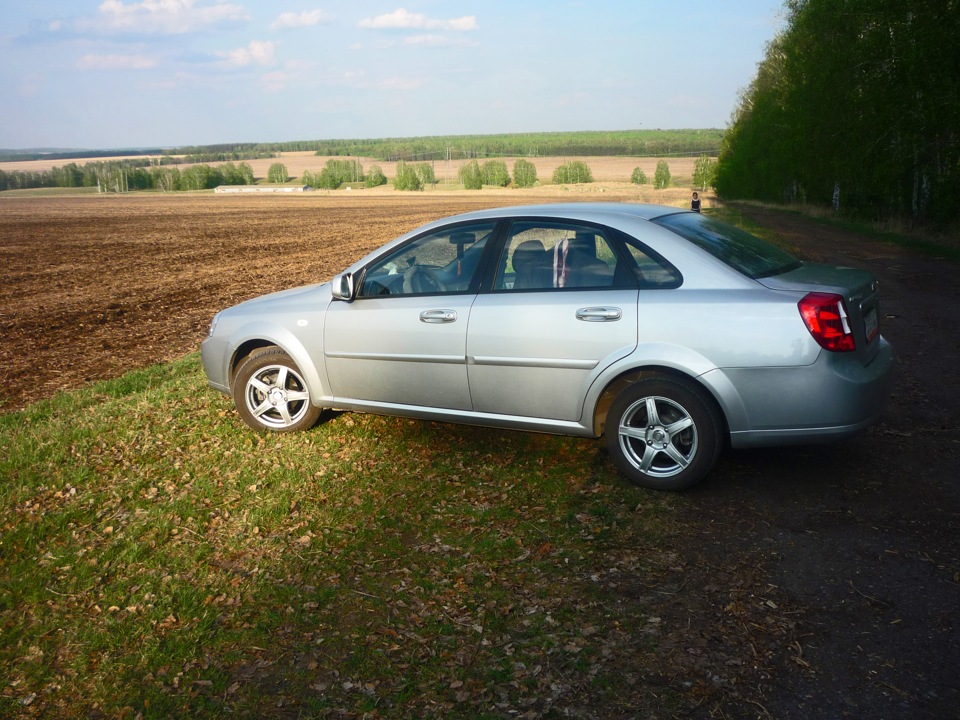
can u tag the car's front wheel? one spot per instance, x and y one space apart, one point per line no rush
663 433
270 393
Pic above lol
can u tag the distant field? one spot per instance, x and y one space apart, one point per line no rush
604 168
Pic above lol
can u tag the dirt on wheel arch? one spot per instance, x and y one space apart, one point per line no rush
859 542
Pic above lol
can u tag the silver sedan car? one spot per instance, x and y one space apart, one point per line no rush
668 332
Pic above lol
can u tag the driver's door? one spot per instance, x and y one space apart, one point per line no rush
402 341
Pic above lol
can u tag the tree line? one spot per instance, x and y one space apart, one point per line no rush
644 143
124 176
141 173
855 105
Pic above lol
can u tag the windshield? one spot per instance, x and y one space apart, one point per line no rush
745 253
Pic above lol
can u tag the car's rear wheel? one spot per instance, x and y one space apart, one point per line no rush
663 433
270 393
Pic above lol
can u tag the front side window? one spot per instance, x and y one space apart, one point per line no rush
542 255
443 262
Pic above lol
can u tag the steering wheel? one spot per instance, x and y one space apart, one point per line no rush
420 279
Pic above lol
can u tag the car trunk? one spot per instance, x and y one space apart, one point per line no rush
859 289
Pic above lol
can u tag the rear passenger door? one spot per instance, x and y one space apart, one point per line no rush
562 307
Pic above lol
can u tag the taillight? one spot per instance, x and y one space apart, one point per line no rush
826 318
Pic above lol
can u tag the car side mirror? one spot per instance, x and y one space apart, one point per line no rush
342 287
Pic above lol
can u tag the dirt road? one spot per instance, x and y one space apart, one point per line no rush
861 539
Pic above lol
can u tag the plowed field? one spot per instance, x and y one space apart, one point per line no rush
93 286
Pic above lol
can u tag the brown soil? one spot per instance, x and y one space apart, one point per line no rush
843 560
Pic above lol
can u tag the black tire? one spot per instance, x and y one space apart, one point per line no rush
270 393
663 433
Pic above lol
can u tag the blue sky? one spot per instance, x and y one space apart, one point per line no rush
134 73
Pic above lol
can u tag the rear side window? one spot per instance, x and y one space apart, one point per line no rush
745 253
556 255
650 269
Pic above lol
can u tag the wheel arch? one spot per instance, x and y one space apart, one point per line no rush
256 340
635 374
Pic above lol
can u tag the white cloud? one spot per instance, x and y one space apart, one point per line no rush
256 53
116 62
162 16
437 41
402 19
303 19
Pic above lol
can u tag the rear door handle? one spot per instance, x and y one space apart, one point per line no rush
437 317
599 314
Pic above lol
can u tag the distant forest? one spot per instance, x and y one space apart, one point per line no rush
642 143
856 105
154 173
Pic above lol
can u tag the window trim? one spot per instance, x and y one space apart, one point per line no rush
478 276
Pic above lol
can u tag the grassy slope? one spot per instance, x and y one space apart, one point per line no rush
156 557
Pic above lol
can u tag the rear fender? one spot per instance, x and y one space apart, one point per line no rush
667 359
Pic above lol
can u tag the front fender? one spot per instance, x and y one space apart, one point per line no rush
260 333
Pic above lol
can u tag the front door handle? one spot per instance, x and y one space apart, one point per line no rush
437 317
599 314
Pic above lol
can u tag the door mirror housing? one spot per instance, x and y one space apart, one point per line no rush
342 287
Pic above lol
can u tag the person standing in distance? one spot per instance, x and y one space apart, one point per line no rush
695 203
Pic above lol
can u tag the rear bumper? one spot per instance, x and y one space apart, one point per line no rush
832 399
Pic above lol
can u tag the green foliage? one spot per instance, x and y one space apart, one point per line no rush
375 178
524 173
471 176
407 178
495 173
704 172
334 174
426 174
661 176
638 177
571 144
453 147
857 103
575 171
277 173
241 174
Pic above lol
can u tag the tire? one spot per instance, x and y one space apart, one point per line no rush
663 433
270 393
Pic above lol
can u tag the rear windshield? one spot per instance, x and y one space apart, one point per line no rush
742 251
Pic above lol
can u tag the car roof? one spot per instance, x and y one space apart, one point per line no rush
574 210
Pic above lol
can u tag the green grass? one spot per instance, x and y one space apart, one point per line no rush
49 192
159 559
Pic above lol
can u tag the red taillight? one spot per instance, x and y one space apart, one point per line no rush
826 319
